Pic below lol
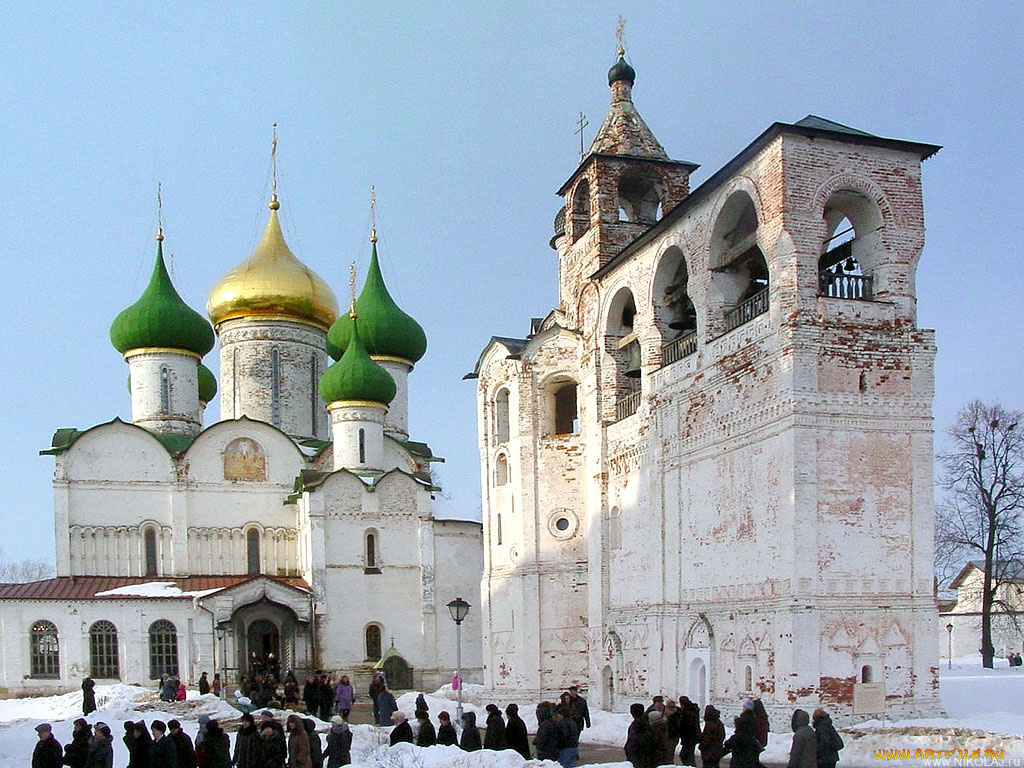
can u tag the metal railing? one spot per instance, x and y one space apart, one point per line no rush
678 348
626 406
840 286
747 311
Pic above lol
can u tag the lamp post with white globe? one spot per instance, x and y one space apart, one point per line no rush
458 608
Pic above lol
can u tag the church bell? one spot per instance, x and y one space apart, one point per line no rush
633 361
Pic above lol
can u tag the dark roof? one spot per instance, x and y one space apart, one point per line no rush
87 587
514 347
811 126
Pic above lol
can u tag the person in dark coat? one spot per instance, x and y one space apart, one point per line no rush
168 689
182 744
291 689
761 720
316 747
516 735
445 730
215 749
547 738
402 730
743 743
568 738
421 703
426 736
204 685
137 739
804 752
386 706
88 696
638 739
712 740
101 748
339 743
272 750
689 731
325 699
311 696
162 752
494 736
376 686
829 742
77 750
48 752
673 727
578 709
659 743
246 743
470 741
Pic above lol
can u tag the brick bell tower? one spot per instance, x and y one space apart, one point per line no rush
624 184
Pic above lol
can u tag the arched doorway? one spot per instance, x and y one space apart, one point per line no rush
263 640
609 688
698 680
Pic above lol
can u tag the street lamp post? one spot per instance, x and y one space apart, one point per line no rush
221 631
458 608
949 630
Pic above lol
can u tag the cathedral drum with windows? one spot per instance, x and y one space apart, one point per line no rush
296 534
709 470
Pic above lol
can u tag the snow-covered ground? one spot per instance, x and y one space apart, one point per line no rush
984 706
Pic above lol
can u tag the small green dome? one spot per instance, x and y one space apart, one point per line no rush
385 329
207 384
621 71
160 318
356 376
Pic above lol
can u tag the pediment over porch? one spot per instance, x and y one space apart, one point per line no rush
225 602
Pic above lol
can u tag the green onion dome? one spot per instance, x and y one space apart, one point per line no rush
207 384
356 376
160 318
385 329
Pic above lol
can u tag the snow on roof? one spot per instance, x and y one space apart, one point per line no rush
156 589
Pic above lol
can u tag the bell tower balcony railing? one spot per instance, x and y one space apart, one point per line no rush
627 406
680 347
839 286
747 311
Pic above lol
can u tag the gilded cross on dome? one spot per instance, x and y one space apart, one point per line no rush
620 35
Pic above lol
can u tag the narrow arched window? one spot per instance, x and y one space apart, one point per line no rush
748 678
866 674
370 553
372 642
165 390
362 446
163 649
275 387
566 415
614 529
103 662
501 470
501 417
498 528
151 554
45 650
252 547
236 393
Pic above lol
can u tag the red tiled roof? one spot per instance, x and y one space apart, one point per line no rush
86 587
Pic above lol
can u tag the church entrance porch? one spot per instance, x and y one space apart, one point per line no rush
262 626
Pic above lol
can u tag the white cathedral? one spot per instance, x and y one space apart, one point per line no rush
296 533
708 471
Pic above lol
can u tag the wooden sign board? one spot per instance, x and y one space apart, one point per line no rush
868 698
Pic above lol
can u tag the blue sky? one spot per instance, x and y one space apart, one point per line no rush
462 116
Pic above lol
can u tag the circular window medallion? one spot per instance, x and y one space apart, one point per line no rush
563 523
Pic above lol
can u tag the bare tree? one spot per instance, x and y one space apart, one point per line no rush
981 516
16 572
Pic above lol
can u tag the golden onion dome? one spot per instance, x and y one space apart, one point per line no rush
273 282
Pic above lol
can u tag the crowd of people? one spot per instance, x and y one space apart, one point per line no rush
652 739
657 730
